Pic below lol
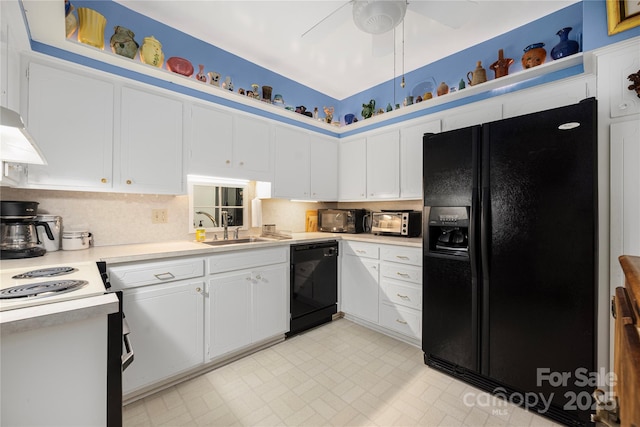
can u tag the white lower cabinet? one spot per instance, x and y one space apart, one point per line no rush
382 285
360 280
248 304
166 323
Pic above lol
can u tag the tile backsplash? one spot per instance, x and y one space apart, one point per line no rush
116 218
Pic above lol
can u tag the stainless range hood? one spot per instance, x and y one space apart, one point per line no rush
16 144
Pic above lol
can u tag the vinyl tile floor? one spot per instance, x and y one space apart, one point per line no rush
339 374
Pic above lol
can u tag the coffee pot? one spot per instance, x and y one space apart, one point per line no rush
18 234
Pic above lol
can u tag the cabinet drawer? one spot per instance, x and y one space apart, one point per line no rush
151 273
409 273
365 250
401 254
402 293
401 319
238 260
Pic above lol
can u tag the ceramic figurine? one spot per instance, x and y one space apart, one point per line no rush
122 42
501 66
241 91
201 76
534 55
151 52
227 84
418 99
389 107
477 76
565 47
214 78
255 92
328 114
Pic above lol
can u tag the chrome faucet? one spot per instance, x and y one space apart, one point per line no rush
225 225
215 224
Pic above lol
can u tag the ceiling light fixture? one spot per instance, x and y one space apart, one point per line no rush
376 16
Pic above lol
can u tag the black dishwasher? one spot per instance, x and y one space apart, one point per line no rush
314 285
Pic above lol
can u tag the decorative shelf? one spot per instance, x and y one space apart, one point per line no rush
46 25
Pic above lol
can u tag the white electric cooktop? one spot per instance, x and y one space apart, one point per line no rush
27 287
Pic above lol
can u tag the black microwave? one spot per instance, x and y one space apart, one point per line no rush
342 220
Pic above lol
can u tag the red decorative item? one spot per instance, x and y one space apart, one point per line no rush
180 66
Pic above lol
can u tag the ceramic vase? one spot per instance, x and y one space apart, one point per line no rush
565 47
214 78
91 27
534 55
151 52
442 89
501 66
266 93
122 42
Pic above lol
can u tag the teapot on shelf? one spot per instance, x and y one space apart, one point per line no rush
479 75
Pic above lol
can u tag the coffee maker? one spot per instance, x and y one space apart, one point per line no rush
18 235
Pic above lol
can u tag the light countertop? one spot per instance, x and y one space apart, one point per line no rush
150 251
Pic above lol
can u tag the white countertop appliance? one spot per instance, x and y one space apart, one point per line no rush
397 223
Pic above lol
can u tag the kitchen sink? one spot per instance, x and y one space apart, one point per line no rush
235 241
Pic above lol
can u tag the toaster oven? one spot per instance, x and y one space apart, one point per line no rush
397 223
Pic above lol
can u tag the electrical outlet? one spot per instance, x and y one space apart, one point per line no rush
159 216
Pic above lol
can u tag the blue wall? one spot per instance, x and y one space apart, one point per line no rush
588 20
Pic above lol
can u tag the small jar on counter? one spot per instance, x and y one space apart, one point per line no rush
74 240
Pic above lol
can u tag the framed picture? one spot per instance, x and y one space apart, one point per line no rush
622 15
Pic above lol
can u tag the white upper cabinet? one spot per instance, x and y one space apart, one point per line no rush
291 172
614 69
252 148
324 168
210 147
70 115
352 170
383 165
411 158
305 165
150 143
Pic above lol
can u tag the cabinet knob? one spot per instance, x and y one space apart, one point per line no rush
128 182
228 161
623 106
104 180
258 277
241 163
198 290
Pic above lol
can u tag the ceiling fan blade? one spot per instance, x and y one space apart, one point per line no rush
382 44
328 23
453 14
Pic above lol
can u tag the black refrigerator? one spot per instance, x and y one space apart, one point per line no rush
510 258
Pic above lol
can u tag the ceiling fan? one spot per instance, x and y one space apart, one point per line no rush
379 17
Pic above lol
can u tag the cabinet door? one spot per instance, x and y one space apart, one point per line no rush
383 166
359 282
229 314
352 170
252 148
324 168
150 143
270 301
613 71
211 141
291 171
71 117
411 158
625 194
166 323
